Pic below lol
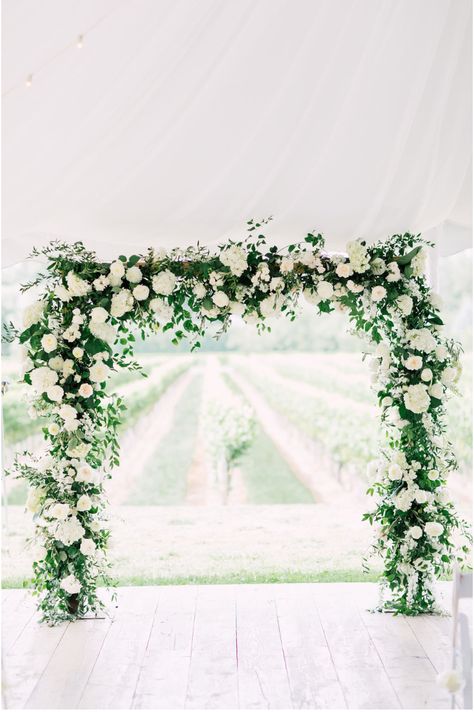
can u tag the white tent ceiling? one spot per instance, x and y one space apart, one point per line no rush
180 119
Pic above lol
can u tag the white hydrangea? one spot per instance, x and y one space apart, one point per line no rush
103 331
199 290
99 314
421 340
69 531
162 309
286 265
33 313
164 282
59 510
134 275
117 269
122 302
358 256
43 378
71 584
418 263
77 287
235 258
141 292
416 398
405 304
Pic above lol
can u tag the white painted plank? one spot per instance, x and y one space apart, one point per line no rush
114 677
17 612
62 683
163 679
213 670
262 674
364 680
313 678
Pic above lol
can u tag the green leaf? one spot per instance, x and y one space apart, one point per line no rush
406 259
133 260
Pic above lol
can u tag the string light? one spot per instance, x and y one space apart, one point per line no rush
29 80
80 42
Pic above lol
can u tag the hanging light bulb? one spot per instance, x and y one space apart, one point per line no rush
80 42
29 80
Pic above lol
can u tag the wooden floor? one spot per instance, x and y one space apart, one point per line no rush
224 647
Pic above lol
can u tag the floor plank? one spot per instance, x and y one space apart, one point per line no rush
262 673
17 612
213 671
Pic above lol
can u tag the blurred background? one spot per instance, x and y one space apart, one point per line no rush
246 461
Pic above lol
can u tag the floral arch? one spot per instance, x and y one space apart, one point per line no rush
80 330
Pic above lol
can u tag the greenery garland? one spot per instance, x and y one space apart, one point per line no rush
81 330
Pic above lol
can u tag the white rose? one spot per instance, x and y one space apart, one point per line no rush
448 376
387 401
59 511
421 496
413 363
325 290
88 547
84 503
66 412
344 270
71 584
134 274
405 304
394 274
415 532
117 268
436 390
199 291
33 313
421 340
71 425
378 266
56 363
53 429
99 315
49 343
85 474
426 374
141 292
433 475
378 293
394 472
86 390
220 299
434 529
114 280
164 282
416 398
99 372
33 500
77 352
55 393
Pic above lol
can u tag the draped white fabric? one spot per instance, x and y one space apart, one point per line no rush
179 120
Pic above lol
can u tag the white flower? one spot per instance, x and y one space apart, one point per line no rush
99 372
53 429
403 500
71 584
433 475
71 425
451 680
33 314
378 266
101 283
421 496
415 532
416 398
77 287
405 304
199 291
134 274
62 293
236 308
344 270
33 500
56 363
325 290
286 265
55 393
394 273
449 375
103 331
59 511
421 340
162 309
311 297
69 531
358 256
141 292
164 282
426 374
84 503
68 367
235 258
49 343
114 280
72 333
220 299
77 352
382 350
122 302
394 472
88 547
441 353
251 318
436 390
117 269
354 288
39 552
378 293
85 474
418 263
86 390
99 315
434 529
413 363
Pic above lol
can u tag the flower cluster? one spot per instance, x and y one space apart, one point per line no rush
80 331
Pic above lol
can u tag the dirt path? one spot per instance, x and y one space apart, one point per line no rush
311 465
140 441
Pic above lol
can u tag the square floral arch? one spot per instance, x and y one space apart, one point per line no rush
80 331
